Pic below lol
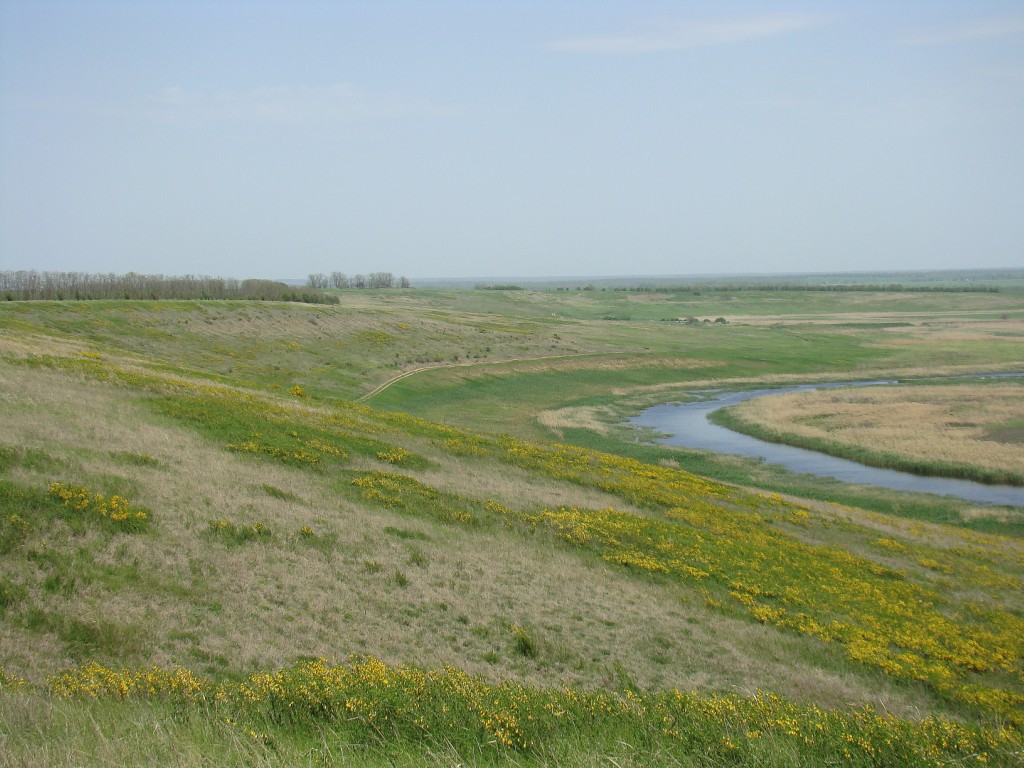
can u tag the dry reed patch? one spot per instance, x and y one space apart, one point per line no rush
593 417
946 424
951 329
843 315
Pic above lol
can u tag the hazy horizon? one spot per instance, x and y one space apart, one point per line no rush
489 139
851 277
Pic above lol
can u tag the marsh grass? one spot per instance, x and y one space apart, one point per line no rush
941 429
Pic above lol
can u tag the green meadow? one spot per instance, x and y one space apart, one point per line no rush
411 528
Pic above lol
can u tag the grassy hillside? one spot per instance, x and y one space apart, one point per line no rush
192 509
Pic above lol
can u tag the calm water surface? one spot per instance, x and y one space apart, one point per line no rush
687 426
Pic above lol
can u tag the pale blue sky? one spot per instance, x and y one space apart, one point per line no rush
446 139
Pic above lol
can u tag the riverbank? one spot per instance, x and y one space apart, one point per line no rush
964 431
686 426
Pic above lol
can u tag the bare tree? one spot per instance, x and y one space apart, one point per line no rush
317 280
64 286
381 280
339 280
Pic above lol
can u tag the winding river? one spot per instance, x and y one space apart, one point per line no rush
686 425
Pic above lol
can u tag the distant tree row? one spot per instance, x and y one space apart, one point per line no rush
25 285
341 280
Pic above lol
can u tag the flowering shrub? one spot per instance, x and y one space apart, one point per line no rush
394 491
113 509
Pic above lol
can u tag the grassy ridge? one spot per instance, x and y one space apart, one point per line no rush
345 351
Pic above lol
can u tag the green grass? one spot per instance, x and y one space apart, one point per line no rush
344 351
366 713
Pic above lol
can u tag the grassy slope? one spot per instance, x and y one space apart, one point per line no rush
395 575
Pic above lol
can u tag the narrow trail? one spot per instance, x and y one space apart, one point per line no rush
468 364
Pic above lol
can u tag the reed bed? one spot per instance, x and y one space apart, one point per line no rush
971 431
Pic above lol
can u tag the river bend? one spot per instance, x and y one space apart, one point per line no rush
686 425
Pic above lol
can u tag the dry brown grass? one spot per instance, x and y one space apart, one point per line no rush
949 423
213 607
593 417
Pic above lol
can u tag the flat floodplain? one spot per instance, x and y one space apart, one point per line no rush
194 510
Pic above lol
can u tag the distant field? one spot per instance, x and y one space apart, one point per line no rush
190 486
767 334
971 431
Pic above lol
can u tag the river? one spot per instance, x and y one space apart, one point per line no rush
686 425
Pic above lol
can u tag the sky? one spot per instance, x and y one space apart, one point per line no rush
484 139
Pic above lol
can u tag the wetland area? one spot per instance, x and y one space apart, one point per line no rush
687 425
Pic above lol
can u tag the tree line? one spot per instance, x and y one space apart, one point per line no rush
321 280
26 285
